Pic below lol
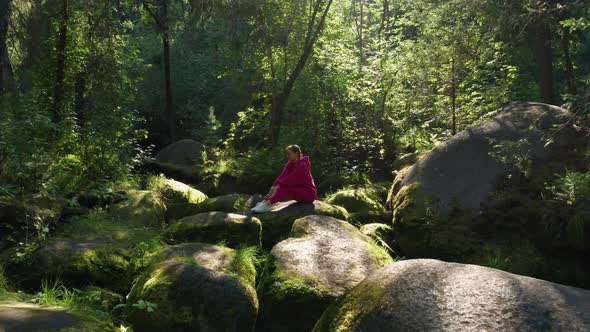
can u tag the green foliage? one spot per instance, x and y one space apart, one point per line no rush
571 188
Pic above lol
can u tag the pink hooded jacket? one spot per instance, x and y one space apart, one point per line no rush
297 174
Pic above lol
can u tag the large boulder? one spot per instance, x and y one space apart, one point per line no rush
97 248
464 170
321 260
215 227
432 295
276 224
179 160
78 262
19 316
226 203
481 196
176 192
184 152
195 287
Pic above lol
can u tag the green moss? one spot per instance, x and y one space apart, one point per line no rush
176 299
408 204
244 265
358 198
141 208
345 314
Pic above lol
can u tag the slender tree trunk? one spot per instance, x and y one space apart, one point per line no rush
568 64
5 66
60 67
453 98
280 99
545 61
169 110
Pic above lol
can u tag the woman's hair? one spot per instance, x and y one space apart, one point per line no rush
295 148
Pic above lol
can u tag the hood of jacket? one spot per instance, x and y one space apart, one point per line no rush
305 160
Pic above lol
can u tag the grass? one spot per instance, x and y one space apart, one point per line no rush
245 263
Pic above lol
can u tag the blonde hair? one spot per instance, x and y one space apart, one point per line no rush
295 148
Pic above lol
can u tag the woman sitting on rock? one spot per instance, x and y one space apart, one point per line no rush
295 182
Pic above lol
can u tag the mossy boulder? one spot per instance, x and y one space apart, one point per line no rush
178 160
359 198
214 227
195 287
432 295
19 316
225 203
464 170
276 224
141 207
186 152
175 192
97 248
321 260
77 262
481 197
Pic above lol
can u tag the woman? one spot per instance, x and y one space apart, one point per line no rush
295 182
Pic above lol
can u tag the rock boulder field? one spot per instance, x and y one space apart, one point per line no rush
213 227
276 224
432 295
481 196
196 287
321 260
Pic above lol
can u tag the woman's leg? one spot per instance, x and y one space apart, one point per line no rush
298 194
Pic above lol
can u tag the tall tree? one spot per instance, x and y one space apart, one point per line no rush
158 10
60 65
5 67
315 26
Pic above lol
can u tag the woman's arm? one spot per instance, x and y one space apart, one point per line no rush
299 176
286 170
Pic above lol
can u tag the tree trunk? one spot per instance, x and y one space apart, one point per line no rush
568 64
60 67
5 67
545 61
169 111
453 98
279 100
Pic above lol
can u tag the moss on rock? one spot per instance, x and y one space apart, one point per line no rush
177 192
140 207
432 295
323 259
359 198
214 227
195 287
277 223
